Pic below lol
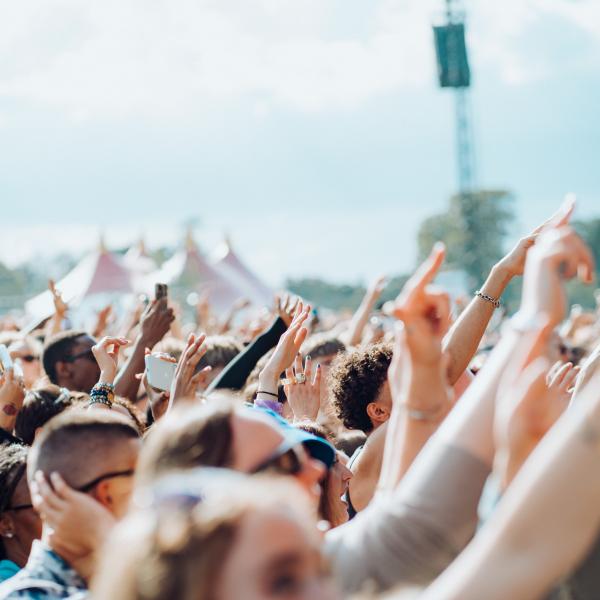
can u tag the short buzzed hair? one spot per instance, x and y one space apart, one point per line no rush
78 443
57 348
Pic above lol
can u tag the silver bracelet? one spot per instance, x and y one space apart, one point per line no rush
487 298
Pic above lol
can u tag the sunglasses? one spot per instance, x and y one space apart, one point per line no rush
20 507
88 354
112 475
286 460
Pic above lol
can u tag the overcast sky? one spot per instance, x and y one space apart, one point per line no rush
311 130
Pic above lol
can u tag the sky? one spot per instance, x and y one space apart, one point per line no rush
312 132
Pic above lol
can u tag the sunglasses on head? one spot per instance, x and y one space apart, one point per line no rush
288 459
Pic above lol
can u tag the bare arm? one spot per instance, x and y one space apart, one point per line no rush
357 325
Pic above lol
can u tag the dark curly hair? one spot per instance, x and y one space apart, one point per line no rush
39 406
13 463
355 381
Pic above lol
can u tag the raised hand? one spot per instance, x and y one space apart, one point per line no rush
106 353
186 381
558 255
286 350
514 262
424 310
60 306
102 317
285 307
155 322
561 380
304 396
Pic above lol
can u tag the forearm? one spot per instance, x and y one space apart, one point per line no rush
556 496
415 417
126 383
358 322
464 338
235 374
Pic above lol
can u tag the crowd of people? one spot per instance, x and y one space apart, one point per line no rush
412 451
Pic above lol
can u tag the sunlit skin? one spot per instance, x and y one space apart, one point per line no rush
337 486
256 438
276 556
32 369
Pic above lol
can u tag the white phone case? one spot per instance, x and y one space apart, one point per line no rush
160 372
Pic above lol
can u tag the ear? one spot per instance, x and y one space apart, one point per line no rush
102 494
377 413
7 528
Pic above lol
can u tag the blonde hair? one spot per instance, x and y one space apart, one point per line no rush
171 552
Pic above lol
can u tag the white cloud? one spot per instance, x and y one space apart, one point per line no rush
172 57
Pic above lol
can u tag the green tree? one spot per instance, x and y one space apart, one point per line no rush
474 229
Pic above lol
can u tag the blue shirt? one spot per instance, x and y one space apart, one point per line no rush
46 576
7 569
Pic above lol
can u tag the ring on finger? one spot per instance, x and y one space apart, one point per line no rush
300 378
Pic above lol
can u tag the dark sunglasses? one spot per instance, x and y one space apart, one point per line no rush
88 354
286 460
20 507
92 484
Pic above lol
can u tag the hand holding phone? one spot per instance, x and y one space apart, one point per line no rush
160 371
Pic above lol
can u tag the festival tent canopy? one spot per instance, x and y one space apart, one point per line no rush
188 271
140 264
226 261
100 273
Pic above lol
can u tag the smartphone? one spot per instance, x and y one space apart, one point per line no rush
160 372
6 362
161 290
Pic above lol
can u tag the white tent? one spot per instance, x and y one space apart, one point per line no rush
140 264
226 261
188 271
99 274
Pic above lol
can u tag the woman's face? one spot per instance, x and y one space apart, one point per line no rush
26 524
337 486
276 556
29 361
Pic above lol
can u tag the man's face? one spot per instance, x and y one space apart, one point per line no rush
79 371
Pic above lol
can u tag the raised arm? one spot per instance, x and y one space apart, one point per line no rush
154 324
353 335
463 339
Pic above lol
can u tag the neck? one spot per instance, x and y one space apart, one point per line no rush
15 551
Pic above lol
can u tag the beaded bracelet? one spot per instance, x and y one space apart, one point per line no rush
487 298
99 400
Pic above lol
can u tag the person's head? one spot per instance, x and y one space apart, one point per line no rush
19 523
69 362
39 406
332 506
255 540
359 389
323 349
95 451
27 351
223 434
220 351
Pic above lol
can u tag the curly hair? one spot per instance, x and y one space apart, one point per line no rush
39 406
355 381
